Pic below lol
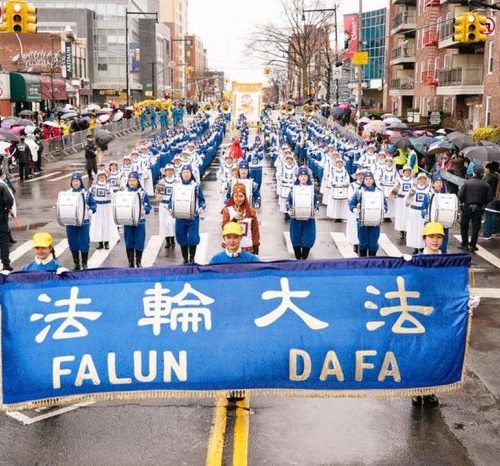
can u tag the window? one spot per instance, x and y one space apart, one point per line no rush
102 67
490 57
488 111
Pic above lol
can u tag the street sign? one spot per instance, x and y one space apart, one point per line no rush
490 24
360 58
435 118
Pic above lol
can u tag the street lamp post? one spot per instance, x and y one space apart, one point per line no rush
127 13
360 67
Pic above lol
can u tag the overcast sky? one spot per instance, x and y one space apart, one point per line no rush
226 25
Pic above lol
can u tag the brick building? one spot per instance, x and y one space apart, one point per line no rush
429 71
196 60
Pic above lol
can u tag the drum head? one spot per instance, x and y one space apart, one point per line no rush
71 208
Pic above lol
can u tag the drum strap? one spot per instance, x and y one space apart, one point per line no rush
103 202
416 207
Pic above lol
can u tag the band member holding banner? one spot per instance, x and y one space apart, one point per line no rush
79 236
251 187
135 236
187 230
102 227
232 235
302 204
45 258
164 190
370 216
238 209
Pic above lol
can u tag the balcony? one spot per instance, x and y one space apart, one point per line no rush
402 86
429 3
466 80
429 78
405 2
446 31
431 38
403 54
405 21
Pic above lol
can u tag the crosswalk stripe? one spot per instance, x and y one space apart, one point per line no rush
388 246
201 250
61 247
65 176
151 251
100 255
288 241
486 292
38 178
343 245
486 255
20 251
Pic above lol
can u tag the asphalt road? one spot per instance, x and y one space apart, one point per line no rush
463 430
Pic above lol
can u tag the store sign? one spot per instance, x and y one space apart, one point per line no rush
4 86
39 59
68 59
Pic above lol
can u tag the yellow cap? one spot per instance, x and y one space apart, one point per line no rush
433 228
232 228
42 240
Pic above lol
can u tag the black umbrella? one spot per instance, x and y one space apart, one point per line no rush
482 153
460 140
400 141
103 138
9 137
440 147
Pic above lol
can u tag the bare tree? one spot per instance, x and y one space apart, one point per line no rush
294 42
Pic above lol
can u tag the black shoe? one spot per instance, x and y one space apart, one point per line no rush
356 248
101 245
12 241
85 257
167 242
431 401
473 248
416 251
463 248
76 260
387 220
106 244
416 401
8 268
138 258
130 257
338 220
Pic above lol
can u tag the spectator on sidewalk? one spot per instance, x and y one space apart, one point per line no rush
492 211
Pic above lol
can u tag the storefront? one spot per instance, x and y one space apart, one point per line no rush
5 105
25 91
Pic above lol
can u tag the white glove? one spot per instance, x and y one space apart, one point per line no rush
61 270
355 211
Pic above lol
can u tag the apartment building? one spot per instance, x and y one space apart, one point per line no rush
429 71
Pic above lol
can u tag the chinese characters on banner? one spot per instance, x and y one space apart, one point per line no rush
323 327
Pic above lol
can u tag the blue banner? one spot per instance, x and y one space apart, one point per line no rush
379 326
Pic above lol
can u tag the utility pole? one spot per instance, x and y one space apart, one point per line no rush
360 67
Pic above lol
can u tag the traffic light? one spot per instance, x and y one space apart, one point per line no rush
189 70
460 29
18 16
267 70
481 28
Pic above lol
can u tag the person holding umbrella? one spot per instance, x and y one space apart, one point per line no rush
90 158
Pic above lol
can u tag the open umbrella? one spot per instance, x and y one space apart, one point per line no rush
4 145
52 124
445 131
103 138
69 115
102 111
7 136
400 141
392 121
375 125
18 130
363 120
388 115
483 153
440 147
26 113
11 121
118 116
460 140
104 118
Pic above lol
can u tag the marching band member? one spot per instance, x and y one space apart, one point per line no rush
387 177
302 232
164 188
242 174
45 257
135 236
415 220
232 235
328 167
224 174
287 178
351 230
114 176
238 209
125 171
79 236
337 208
369 158
437 187
368 236
102 227
255 159
144 169
177 161
187 231
404 182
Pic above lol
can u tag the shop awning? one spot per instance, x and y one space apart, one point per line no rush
53 88
25 87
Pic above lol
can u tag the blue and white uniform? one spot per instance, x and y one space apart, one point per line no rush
165 187
102 225
415 221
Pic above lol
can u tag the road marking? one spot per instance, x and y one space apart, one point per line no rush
345 248
61 247
65 176
100 255
241 428
486 292
217 431
486 255
152 249
26 420
42 177
201 250
288 241
21 251
389 248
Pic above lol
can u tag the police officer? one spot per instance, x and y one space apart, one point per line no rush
474 194
6 203
90 158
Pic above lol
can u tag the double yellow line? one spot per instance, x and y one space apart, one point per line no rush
215 453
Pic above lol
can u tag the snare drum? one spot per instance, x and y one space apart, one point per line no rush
303 202
71 208
339 193
184 201
127 208
444 209
372 208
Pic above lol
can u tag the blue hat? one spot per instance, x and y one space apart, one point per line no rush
303 171
243 164
368 174
392 148
134 175
77 176
437 177
187 167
